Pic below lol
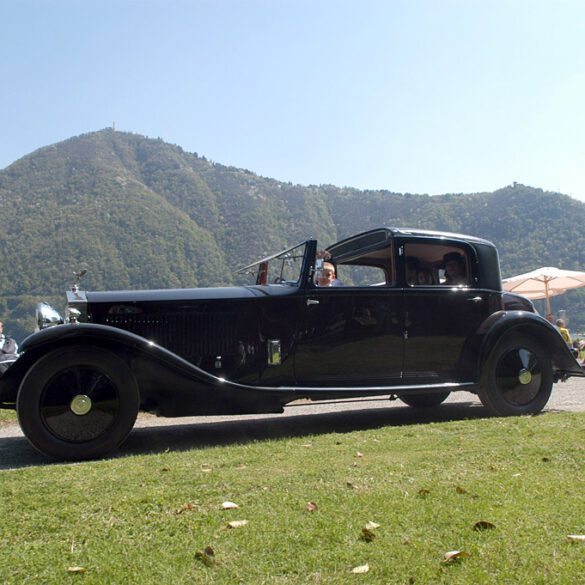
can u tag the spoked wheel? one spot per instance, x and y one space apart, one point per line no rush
425 400
77 403
518 379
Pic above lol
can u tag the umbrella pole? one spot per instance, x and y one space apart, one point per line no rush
548 311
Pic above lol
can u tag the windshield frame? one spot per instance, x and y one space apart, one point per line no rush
307 265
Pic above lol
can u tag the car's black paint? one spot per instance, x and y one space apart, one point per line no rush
206 351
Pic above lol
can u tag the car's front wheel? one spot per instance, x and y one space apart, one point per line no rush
518 378
425 400
77 403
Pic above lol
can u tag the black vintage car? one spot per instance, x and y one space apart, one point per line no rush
412 314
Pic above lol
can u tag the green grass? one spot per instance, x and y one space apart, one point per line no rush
118 518
7 416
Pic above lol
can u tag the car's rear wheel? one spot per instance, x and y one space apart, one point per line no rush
77 403
518 378
425 400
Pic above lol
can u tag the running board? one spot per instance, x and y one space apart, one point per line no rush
395 389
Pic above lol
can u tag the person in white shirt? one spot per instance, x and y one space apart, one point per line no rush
327 276
8 350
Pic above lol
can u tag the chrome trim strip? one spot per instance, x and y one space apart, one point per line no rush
389 389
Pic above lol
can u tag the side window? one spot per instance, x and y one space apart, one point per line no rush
361 275
372 268
437 264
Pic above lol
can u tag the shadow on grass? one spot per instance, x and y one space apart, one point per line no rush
16 452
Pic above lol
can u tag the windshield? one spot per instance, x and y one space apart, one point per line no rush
283 268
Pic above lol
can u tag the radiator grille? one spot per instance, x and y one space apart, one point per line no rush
188 335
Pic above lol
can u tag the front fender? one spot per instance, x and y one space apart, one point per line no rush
81 331
112 337
153 366
530 324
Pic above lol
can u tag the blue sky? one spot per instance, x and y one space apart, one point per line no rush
416 96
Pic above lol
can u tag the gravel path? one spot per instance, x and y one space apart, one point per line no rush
154 434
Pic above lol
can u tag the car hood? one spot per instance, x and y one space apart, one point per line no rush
185 294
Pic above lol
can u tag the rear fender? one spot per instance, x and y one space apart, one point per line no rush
504 323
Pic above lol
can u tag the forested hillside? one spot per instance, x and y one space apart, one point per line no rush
141 213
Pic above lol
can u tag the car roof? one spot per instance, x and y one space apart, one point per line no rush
378 236
439 234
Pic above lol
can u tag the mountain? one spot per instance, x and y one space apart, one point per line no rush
141 213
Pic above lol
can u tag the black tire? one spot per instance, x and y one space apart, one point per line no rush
77 403
425 400
518 378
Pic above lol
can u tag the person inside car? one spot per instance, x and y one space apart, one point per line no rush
327 276
415 273
454 266
412 270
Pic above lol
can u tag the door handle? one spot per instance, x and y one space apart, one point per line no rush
312 302
475 300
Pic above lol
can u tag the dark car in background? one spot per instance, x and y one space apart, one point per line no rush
399 324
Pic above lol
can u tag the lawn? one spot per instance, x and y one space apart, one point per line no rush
7 416
158 518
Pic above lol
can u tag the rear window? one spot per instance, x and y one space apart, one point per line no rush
430 264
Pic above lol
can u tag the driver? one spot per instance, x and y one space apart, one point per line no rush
327 276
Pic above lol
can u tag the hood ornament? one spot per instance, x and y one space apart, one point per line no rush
78 276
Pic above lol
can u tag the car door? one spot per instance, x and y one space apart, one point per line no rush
350 336
439 318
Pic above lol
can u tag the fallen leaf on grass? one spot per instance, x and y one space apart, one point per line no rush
368 531
361 569
205 467
460 490
185 507
306 445
311 506
423 493
454 555
350 485
229 505
237 524
359 454
483 525
578 537
76 569
206 556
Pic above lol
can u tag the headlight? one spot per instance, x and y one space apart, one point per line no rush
72 315
46 316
